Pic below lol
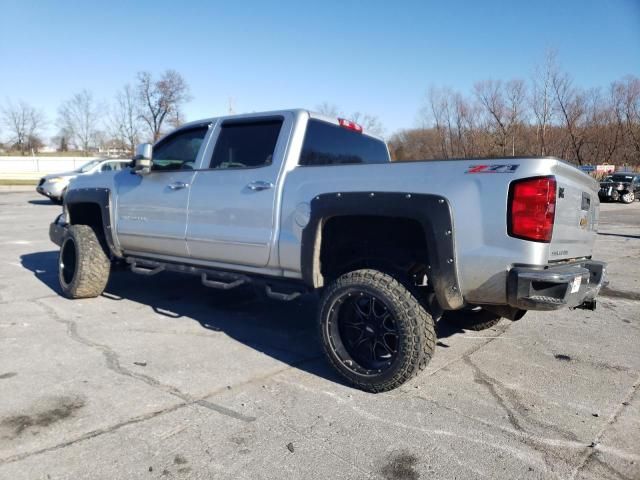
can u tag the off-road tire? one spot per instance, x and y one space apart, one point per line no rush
83 265
475 320
416 332
628 197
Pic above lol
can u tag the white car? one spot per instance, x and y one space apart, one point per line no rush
54 186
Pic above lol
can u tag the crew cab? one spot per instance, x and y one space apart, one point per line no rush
297 202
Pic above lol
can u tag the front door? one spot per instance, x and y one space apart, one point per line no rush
151 210
232 210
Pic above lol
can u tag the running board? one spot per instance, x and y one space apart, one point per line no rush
149 268
284 297
222 285
218 279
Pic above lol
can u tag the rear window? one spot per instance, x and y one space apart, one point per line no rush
328 144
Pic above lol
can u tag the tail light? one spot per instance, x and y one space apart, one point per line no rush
349 125
532 208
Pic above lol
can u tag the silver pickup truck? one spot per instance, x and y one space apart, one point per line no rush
298 202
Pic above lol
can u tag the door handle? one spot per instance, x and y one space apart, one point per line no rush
260 185
178 185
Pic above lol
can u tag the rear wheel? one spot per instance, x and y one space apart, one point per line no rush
83 266
374 332
628 197
471 319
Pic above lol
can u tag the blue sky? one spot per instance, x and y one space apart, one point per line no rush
377 57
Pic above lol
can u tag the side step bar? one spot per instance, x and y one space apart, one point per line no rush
221 285
284 297
146 268
220 280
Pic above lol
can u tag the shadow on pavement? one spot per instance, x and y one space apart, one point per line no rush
44 266
42 202
285 331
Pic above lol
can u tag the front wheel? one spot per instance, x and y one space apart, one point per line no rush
374 332
628 197
83 265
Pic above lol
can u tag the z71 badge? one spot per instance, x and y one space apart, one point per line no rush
493 168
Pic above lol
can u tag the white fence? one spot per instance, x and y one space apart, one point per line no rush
34 167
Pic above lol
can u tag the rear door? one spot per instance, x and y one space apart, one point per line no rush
151 213
232 209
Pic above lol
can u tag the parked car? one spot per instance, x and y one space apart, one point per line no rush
54 186
623 187
296 202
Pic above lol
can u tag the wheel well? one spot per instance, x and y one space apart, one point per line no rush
393 244
87 213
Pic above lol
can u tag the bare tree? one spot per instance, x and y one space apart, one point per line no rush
438 114
542 99
79 116
571 105
160 100
504 105
329 109
24 123
626 105
125 122
582 126
61 140
176 119
370 123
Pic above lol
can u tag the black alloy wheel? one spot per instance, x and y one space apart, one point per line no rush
364 332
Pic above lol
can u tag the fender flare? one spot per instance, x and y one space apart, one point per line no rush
432 212
102 198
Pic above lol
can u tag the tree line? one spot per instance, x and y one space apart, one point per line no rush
547 115
141 111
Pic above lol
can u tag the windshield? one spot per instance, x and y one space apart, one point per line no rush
87 166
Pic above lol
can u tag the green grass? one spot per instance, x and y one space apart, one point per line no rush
19 181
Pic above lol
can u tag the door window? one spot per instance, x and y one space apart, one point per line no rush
179 150
246 144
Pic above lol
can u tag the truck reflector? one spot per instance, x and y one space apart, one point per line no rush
349 125
532 208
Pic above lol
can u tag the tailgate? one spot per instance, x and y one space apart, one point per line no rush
576 219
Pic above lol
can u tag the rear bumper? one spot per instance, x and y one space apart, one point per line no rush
551 288
57 229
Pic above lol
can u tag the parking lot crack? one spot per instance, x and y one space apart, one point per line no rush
491 385
591 450
93 434
112 361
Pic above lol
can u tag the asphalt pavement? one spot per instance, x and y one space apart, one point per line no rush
163 378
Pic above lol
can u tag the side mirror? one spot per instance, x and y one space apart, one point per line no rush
142 158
